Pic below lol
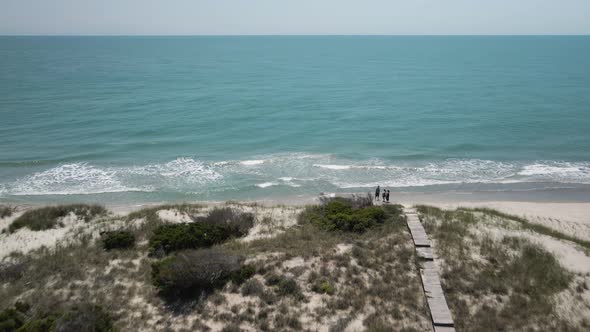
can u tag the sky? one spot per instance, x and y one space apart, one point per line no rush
300 17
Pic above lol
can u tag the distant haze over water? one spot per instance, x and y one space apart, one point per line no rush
211 118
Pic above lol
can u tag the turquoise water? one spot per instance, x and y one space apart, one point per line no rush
182 118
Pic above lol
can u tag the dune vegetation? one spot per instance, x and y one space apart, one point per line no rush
48 217
341 265
498 277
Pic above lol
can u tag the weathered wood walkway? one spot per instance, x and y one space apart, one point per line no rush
442 320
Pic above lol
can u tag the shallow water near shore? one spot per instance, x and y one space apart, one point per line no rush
212 118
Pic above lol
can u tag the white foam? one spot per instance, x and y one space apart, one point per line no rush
252 162
185 169
559 169
391 183
333 167
313 172
266 184
71 179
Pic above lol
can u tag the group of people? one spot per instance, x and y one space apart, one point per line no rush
384 194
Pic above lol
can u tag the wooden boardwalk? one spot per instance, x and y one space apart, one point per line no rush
442 320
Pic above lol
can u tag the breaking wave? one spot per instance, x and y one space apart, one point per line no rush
306 173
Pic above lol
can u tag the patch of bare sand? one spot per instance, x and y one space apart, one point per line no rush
25 240
174 216
69 230
270 221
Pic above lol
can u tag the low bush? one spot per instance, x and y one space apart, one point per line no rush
340 214
47 217
84 318
323 287
194 271
12 319
174 237
117 240
235 222
272 279
289 287
5 211
252 287
11 271
218 226
244 273
42 324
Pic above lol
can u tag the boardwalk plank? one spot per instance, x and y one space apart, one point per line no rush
441 315
442 319
425 253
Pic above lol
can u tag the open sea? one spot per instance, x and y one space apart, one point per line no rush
150 119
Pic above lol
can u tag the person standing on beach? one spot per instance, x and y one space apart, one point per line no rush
387 196
377 191
383 195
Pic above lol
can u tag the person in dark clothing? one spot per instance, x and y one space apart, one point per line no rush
383 195
387 196
377 191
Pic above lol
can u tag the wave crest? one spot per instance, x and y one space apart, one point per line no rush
313 173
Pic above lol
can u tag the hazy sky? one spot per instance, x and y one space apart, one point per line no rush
214 17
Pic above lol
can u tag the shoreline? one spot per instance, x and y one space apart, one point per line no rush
567 211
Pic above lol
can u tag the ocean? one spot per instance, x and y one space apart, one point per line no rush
152 119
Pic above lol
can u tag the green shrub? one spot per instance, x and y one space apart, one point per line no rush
323 286
252 287
244 273
79 318
41 324
175 237
22 307
117 240
288 286
47 217
341 215
235 222
194 271
11 319
218 226
272 279
84 318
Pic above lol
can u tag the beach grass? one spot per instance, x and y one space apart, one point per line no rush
492 283
49 217
537 228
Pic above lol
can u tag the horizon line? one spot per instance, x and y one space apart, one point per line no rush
292 35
